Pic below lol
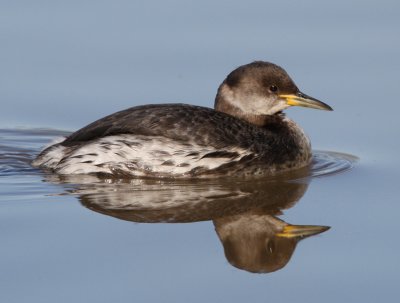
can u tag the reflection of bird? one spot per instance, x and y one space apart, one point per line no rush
260 242
243 211
246 134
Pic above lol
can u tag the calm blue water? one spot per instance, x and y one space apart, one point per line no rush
66 64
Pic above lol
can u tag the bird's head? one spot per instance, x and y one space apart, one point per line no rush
259 89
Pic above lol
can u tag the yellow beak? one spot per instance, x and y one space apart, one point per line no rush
303 100
301 231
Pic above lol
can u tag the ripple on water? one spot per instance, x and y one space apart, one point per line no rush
328 163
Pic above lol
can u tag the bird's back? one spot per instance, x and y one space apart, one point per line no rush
181 122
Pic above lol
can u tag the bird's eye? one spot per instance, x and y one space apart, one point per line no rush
273 88
271 247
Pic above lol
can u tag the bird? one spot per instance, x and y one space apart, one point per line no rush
246 134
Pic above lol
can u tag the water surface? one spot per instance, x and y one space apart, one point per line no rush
245 215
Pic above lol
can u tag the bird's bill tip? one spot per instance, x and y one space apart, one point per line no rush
303 100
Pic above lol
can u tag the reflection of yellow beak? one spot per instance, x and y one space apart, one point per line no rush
301 231
303 100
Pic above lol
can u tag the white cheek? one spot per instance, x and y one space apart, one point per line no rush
267 106
276 107
254 105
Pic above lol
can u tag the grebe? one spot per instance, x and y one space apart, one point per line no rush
246 134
